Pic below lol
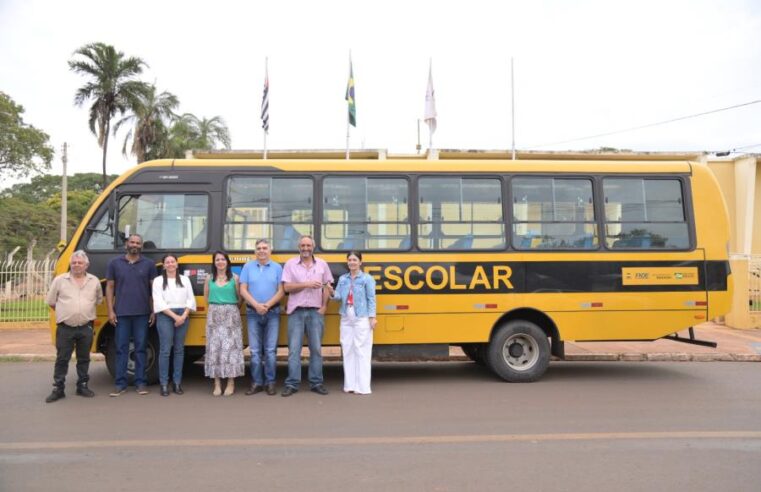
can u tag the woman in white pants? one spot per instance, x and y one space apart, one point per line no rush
356 291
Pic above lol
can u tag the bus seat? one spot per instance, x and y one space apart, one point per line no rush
200 240
351 243
346 244
632 242
149 245
289 240
406 243
465 242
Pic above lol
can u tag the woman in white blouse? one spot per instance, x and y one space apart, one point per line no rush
173 300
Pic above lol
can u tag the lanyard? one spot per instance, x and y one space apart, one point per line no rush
350 298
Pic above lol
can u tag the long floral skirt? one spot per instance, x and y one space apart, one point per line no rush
224 342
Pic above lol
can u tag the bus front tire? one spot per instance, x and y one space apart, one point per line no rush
519 352
151 358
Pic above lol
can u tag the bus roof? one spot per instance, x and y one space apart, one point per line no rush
443 166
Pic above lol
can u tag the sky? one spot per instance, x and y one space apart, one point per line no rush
581 68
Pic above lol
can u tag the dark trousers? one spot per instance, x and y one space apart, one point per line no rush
66 339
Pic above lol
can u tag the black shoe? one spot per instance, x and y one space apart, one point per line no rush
56 395
288 391
177 388
270 389
142 390
254 389
164 390
319 389
83 390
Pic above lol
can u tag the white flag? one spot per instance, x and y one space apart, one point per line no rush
430 104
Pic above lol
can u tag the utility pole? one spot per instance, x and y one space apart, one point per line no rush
64 193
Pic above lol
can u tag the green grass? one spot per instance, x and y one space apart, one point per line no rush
32 310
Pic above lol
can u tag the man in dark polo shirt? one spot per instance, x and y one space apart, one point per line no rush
129 277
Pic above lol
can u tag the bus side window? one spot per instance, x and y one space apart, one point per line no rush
365 213
644 213
553 213
460 214
272 208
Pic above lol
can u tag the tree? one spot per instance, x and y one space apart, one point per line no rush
77 203
23 148
33 210
209 132
151 118
190 132
44 186
22 221
111 87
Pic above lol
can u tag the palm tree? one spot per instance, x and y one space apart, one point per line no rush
111 87
210 131
151 117
189 132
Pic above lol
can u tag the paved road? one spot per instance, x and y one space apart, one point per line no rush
428 426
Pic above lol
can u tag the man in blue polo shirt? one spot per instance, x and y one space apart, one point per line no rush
261 288
130 277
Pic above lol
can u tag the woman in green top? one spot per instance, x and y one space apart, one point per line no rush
224 334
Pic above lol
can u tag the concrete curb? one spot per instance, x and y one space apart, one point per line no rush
664 357
603 357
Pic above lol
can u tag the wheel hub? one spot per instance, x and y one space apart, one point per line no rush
515 350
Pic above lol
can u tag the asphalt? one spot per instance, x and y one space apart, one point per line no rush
29 343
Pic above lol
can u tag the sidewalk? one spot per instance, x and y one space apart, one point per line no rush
733 345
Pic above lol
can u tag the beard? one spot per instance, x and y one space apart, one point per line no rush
133 250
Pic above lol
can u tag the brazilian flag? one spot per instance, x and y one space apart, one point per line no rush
350 98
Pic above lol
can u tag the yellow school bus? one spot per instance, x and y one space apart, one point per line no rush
506 258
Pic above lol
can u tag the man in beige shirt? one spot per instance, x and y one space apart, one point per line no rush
74 296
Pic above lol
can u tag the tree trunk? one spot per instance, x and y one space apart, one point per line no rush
105 149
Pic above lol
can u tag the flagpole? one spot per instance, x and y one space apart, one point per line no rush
512 104
347 138
348 114
430 128
266 84
430 107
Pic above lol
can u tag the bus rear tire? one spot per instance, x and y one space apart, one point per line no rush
151 358
519 352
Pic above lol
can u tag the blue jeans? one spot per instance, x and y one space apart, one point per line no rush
170 337
262 340
135 328
313 323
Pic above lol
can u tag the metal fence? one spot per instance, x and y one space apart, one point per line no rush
23 286
754 283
